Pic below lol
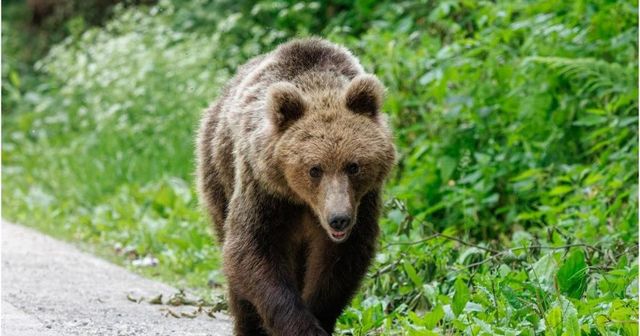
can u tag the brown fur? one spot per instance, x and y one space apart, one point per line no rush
295 141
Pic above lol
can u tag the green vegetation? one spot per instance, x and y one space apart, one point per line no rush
514 207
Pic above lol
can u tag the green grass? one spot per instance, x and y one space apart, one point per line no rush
513 209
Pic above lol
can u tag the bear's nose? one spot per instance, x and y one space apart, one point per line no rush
339 222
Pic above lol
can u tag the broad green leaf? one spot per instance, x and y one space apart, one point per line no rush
512 297
553 318
14 78
461 296
447 166
534 172
622 262
544 269
590 120
572 275
570 318
560 190
432 318
601 322
413 275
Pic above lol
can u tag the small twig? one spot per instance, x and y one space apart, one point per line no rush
436 235
169 312
542 247
132 299
468 244
478 263
390 266
440 235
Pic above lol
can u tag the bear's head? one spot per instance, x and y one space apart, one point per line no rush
333 147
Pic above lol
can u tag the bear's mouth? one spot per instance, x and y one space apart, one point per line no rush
338 236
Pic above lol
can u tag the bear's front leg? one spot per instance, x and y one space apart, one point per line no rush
258 279
335 270
256 264
246 319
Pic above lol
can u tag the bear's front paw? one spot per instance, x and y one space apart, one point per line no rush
306 325
316 331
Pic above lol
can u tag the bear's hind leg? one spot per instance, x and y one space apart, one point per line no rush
216 203
213 168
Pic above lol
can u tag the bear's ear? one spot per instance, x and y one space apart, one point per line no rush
285 104
364 95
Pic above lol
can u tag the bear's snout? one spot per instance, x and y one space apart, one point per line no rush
339 226
339 222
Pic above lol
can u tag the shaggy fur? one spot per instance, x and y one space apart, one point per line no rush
295 145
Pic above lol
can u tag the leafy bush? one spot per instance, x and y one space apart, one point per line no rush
514 206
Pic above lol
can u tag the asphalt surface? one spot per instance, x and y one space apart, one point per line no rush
51 288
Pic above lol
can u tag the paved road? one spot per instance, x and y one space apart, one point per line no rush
51 288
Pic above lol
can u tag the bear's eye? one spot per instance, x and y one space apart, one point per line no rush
315 172
353 168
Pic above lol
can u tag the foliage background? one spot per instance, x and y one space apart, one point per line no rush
514 207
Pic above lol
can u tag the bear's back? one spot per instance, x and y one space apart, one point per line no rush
314 55
290 62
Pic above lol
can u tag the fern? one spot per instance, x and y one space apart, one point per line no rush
594 75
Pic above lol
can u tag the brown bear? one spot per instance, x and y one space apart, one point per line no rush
291 161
